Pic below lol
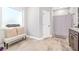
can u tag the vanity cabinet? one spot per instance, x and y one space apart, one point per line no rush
74 39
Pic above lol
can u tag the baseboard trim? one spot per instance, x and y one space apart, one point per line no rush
47 37
60 36
37 38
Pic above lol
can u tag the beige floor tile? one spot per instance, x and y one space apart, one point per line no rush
50 44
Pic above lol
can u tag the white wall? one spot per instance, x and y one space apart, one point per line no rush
52 22
0 16
60 12
75 16
25 19
33 26
66 11
33 19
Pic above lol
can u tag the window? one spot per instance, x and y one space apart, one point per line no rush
11 16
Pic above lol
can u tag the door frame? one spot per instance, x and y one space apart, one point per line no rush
50 24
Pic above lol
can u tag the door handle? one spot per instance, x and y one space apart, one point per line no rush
48 25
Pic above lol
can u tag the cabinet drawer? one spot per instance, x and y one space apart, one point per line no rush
74 33
73 39
76 44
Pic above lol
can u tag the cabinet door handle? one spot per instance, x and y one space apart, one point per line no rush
48 25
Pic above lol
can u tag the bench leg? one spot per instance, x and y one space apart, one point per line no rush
6 45
25 38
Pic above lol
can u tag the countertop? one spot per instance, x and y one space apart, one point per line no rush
75 29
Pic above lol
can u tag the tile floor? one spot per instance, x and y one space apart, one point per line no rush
50 44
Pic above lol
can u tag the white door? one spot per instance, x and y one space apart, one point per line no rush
46 23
